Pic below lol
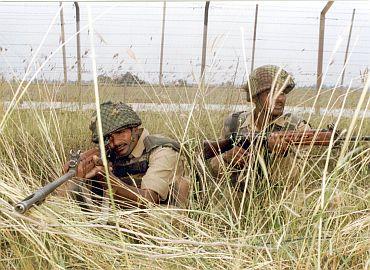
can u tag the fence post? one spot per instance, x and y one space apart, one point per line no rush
162 43
321 44
62 36
204 48
254 36
349 40
321 50
78 47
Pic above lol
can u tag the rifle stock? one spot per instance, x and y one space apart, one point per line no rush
307 137
317 137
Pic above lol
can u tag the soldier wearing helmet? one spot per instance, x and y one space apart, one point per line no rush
143 168
267 88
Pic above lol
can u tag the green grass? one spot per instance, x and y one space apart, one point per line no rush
283 225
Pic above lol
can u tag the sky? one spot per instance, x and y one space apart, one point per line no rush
127 37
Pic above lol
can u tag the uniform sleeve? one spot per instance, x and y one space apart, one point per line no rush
214 163
226 132
163 168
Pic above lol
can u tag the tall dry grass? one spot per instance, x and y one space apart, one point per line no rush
318 218
278 228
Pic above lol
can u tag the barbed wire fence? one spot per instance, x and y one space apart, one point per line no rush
176 42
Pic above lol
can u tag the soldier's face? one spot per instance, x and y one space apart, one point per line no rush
123 141
274 103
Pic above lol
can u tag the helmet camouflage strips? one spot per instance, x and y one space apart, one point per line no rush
114 116
263 78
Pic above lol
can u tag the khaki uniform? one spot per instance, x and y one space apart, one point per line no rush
245 124
149 166
277 167
165 173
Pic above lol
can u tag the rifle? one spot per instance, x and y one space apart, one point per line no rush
71 168
315 137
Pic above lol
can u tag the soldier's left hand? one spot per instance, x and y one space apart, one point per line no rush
98 173
98 170
276 144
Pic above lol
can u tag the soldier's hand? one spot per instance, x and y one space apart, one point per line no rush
98 169
84 166
276 144
98 173
236 156
86 162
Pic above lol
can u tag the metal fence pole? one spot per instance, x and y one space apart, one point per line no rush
349 40
162 44
321 51
62 37
204 47
78 44
321 44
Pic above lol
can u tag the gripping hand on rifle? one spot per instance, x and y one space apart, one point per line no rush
277 144
86 163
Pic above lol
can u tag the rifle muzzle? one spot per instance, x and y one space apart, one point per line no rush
39 196
27 203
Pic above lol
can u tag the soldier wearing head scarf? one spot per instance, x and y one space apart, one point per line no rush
143 168
267 89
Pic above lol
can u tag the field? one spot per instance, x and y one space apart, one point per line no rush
318 219
302 97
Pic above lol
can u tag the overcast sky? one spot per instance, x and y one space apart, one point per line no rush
128 36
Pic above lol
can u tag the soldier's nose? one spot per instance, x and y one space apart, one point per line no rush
116 143
113 140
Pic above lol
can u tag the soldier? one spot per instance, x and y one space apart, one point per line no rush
267 89
143 168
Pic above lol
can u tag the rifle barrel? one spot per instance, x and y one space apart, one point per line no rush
39 196
359 139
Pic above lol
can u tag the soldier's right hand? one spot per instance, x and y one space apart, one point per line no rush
84 167
85 164
236 156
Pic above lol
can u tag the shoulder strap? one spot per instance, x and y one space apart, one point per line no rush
153 141
124 167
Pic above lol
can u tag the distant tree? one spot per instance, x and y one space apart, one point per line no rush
104 79
128 79
228 83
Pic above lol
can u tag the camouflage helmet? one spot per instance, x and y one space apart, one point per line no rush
262 78
114 116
